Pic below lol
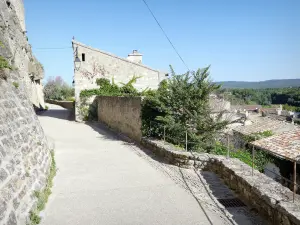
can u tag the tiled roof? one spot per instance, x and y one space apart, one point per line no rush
286 145
260 126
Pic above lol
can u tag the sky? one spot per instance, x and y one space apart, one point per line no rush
242 40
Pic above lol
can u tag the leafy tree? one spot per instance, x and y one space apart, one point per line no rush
57 89
266 97
181 104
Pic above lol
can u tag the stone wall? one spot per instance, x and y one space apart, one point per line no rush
64 104
19 7
122 114
24 154
14 47
24 151
271 199
100 64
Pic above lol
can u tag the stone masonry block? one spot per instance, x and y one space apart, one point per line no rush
3 209
12 220
3 175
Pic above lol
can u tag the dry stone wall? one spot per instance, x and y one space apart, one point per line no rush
271 199
24 155
24 152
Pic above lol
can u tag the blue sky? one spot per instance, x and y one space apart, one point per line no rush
245 40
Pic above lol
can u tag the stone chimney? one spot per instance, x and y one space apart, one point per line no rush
135 56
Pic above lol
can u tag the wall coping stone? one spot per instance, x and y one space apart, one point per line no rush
273 194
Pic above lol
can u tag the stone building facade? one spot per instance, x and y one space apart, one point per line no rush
24 150
91 63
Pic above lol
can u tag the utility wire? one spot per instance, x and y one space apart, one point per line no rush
52 48
166 35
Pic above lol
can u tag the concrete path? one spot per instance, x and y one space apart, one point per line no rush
102 180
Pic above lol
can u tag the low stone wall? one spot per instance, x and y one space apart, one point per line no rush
122 114
64 104
272 200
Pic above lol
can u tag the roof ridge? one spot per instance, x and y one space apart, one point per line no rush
112 55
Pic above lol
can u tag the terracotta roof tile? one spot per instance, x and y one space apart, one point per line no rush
286 145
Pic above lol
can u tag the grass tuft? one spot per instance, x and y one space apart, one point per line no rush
16 84
43 195
4 63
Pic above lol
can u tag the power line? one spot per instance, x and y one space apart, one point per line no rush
165 34
52 48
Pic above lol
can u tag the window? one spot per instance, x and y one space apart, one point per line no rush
83 57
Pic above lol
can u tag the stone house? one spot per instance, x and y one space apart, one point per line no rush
91 64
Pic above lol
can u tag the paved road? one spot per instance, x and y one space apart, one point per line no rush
103 180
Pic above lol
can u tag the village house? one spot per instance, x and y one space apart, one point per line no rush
91 64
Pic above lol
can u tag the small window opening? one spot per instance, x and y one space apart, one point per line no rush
83 57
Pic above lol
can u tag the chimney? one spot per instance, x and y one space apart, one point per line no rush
135 56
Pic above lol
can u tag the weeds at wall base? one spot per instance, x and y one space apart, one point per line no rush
43 195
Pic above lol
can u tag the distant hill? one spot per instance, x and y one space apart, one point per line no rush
261 84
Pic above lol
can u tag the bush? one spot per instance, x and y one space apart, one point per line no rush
107 88
71 99
261 158
180 105
4 63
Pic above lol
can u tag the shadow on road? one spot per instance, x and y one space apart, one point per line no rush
63 114
213 186
104 131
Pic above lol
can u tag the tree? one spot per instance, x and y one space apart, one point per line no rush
57 89
181 104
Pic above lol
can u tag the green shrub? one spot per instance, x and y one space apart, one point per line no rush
16 84
103 82
180 105
4 63
111 89
261 158
34 218
258 136
71 99
291 108
106 88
